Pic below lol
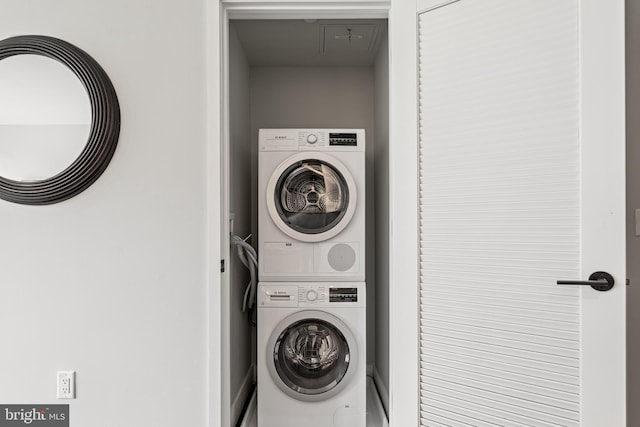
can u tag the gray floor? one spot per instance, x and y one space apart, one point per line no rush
375 413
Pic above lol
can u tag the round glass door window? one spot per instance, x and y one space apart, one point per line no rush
311 356
311 196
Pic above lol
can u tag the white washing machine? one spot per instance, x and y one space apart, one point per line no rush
311 210
311 354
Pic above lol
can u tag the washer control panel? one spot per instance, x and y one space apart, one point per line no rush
309 295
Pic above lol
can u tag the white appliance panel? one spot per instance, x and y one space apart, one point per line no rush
282 304
311 219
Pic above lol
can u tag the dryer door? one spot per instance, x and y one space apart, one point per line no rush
311 196
312 355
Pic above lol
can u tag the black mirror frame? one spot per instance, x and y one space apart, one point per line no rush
103 134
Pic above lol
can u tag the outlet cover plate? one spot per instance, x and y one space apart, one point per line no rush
66 384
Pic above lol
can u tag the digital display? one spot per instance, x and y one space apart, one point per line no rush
348 139
343 295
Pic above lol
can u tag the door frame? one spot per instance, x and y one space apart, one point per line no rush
602 118
403 188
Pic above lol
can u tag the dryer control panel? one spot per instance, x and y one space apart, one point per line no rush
311 139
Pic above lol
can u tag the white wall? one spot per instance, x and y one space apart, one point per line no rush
241 200
322 97
633 202
112 283
381 183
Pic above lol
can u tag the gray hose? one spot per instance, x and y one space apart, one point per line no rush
249 259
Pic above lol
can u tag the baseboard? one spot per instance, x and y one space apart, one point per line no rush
382 390
243 395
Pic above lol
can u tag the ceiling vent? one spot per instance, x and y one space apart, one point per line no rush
348 38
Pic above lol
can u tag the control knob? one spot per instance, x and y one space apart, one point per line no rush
312 138
312 295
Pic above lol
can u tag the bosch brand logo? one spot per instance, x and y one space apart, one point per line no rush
280 137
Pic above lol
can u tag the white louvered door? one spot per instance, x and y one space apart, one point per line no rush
521 118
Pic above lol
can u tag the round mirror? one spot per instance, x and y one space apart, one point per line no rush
59 120
45 116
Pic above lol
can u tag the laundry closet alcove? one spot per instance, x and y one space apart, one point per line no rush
297 73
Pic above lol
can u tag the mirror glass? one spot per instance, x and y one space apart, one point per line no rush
45 117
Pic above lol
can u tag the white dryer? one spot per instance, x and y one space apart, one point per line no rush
311 354
311 207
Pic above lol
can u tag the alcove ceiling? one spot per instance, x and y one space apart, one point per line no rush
310 43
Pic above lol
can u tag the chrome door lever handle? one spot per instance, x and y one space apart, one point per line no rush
600 281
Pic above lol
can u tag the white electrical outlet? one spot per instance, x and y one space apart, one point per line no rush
66 384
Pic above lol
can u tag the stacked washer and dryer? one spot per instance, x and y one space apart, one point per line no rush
311 270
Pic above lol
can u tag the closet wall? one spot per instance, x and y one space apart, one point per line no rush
382 220
240 348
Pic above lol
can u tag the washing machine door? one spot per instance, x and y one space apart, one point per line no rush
311 196
312 355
